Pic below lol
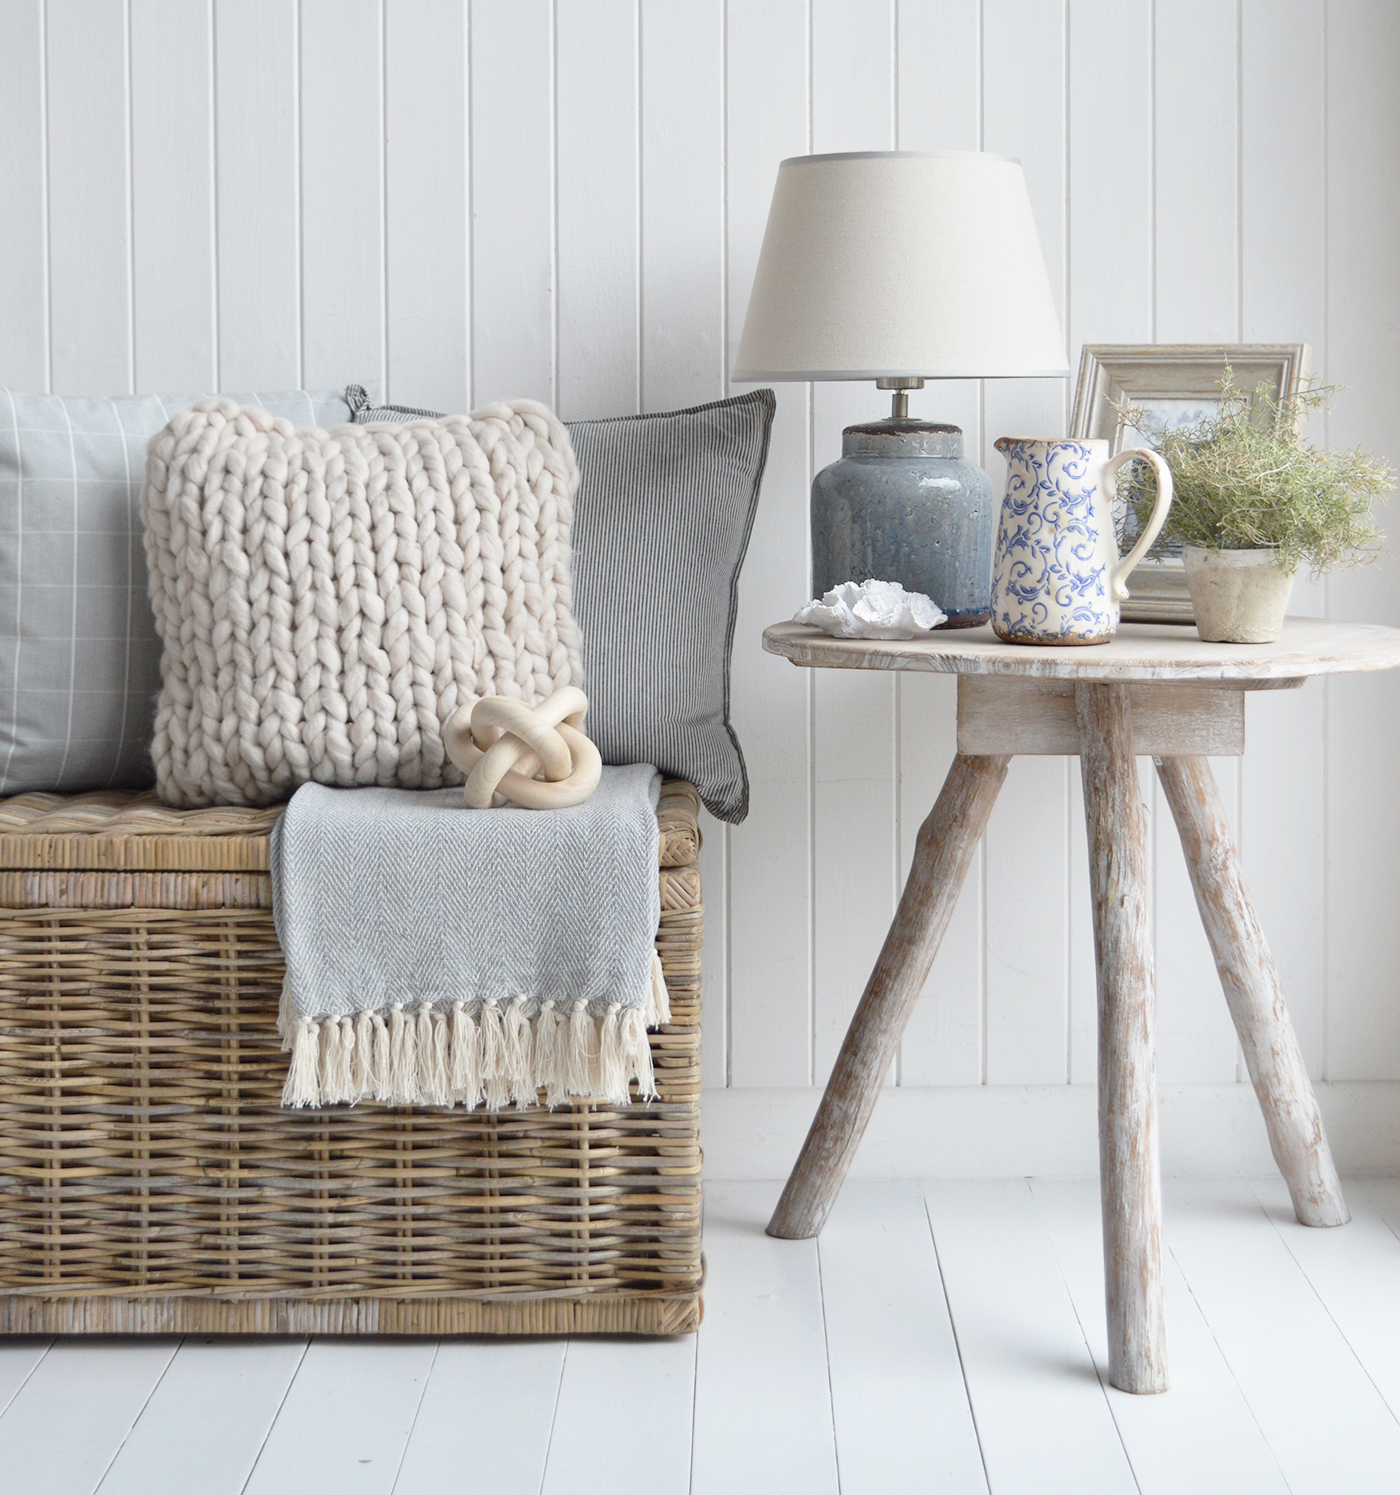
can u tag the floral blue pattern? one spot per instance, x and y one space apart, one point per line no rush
1050 580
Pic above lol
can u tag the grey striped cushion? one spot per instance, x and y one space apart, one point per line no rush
661 521
79 656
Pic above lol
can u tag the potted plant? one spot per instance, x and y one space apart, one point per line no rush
1255 500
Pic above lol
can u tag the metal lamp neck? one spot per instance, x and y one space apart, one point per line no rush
899 404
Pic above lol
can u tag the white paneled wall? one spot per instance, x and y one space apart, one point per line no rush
565 198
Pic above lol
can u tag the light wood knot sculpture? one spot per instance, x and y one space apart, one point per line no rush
533 756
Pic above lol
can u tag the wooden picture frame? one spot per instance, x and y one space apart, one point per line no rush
1182 381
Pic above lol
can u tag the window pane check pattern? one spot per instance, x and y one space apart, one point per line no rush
79 656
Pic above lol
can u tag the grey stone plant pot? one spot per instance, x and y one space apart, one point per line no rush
1239 596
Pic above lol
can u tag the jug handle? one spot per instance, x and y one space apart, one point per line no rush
1154 524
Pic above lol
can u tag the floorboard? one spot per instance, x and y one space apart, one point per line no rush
596 1446
1042 1417
1202 1434
1355 1272
762 1393
940 1336
902 1417
70 1418
345 1423
19 1358
207 1419
488 1408
1321 1414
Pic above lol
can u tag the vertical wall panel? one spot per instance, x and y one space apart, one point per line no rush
512 199
257 145
939 108
1283 286
24 301
1196 217
428 328
1197 203
172 194
568 196
854 746
1109 273
683 307
770 868
342 192
1363 302
683 311
89 186
1110 180
1029 836
599 221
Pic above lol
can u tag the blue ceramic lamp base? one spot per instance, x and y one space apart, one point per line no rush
903 505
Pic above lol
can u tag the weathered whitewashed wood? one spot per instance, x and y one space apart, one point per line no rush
1139 652
1250 978
946 842
1129 1174
1038 717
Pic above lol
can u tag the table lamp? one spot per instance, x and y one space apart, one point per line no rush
901 266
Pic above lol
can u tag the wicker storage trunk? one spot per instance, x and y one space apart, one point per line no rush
150 1183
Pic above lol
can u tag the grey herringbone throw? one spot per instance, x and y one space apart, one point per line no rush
439 955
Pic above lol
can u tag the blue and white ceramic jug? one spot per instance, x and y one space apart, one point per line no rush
1056 574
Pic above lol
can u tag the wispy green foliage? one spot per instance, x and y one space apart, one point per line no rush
1246 479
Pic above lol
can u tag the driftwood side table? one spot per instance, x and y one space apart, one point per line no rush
1157 690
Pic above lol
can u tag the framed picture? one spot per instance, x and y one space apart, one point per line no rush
1176 384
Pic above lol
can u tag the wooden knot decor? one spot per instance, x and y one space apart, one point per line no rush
533 756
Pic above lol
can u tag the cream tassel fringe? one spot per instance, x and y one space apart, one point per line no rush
434 1056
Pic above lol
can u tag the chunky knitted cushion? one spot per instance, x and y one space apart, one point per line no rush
662 519
326 600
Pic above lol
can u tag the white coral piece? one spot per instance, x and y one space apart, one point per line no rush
872 609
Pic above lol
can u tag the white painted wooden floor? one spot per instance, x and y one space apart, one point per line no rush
942 1337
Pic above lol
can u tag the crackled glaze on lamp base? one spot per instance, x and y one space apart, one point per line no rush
903 505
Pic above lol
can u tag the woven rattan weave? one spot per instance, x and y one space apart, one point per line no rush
150 1182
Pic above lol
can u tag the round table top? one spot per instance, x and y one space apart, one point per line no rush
1138 651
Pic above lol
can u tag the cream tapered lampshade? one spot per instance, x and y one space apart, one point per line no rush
879 265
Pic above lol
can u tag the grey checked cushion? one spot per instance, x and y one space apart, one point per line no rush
662 517
79 656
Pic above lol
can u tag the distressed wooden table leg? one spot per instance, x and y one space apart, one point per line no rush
947 839
1129 1173
1250 979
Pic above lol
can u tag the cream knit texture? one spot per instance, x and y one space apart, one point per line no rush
327 599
